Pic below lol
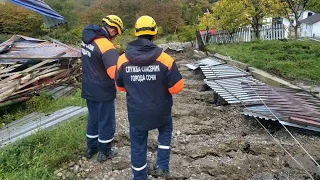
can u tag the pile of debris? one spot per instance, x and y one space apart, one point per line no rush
28 65
175 46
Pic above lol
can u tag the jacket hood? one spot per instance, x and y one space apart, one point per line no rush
92 32
142 52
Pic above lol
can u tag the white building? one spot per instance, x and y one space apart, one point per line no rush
286 22
310 27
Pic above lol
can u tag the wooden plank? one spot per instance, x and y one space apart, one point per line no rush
8 74
38 78
16 81
27 70
10 68
8 92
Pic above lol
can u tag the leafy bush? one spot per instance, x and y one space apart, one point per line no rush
187 33
4 37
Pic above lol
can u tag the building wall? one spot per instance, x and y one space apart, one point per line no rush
316 29
286 24
310 30
306 30
305 14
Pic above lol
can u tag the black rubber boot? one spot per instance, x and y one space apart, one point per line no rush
102 157
161 173
91 152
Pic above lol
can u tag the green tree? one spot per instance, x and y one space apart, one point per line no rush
229 15
232 14
314 5
207 20
192 9
293 10
187 33
166 13
18 20
71 10
258 10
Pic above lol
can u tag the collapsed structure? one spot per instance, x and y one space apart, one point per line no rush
29 65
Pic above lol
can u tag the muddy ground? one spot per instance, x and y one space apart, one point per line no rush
210 142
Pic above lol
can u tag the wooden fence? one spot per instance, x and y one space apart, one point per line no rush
272 32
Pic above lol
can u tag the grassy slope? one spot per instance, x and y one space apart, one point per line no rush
293 60
36 156
38 104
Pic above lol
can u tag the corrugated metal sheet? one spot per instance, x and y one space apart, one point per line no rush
50 17
220 71
290 106
34 122
204 62
233 90
60 91
263 112
22 47
298 106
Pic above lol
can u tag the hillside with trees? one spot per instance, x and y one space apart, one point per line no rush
173 16
79 13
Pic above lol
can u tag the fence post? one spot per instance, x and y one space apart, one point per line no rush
246 35
282 32
275 33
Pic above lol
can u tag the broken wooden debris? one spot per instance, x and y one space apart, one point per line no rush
44 64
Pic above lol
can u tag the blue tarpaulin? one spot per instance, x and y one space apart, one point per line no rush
51 17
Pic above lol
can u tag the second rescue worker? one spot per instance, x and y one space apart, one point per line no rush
99 59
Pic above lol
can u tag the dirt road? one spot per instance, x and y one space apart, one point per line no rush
211 142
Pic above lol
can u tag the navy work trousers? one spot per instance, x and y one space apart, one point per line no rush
139 139
101 125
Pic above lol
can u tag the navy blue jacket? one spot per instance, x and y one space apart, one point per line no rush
99 59
150 77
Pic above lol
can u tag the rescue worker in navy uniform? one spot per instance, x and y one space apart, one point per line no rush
149 77
99 58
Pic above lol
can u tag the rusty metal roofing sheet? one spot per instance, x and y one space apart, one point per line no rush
265 113
22 47
299 106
